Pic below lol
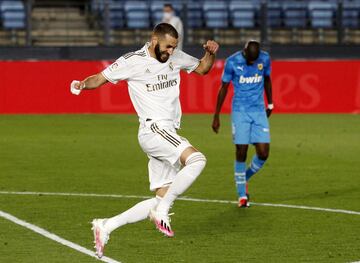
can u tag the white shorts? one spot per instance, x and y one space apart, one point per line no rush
164 146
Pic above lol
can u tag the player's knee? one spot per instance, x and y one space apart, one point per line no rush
241 153
263 155
196 159
160 192
240 156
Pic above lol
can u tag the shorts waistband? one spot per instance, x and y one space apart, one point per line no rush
147 122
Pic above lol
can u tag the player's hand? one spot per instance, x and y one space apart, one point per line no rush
268 112
216 124
269 109
76 87
211 47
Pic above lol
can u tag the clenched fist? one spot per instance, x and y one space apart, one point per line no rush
76 87
211 47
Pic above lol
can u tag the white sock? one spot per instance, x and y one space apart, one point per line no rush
138 212
194 165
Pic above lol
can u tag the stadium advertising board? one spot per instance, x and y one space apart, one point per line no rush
298 87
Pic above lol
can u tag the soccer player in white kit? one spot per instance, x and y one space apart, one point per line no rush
153 77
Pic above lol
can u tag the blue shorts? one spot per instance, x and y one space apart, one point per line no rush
250 127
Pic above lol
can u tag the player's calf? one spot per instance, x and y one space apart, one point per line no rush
240 178
256 164
194 165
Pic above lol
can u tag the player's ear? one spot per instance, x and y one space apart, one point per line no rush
154 40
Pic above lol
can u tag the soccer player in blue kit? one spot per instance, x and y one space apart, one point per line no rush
249 71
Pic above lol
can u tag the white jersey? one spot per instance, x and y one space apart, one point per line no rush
153 86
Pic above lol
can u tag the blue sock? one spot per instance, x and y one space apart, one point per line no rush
240 178
254 167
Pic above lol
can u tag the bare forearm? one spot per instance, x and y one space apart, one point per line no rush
93 82
268 90
206 63
220 99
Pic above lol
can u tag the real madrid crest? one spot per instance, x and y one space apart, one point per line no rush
260 66
171 66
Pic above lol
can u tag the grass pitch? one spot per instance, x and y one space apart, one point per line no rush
314 161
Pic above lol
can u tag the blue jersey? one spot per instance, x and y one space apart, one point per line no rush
248 81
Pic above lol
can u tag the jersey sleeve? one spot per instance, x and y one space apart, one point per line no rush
186 62
267 66
119 70
228 72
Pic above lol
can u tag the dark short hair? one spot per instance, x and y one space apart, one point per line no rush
164 28
252 50
169 5
252 43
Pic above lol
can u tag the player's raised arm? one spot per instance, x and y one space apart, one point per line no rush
90 82
207 61
220 101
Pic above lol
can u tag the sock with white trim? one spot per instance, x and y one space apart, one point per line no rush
194 165
240 178
138 212
254 167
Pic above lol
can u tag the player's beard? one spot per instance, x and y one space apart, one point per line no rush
161 56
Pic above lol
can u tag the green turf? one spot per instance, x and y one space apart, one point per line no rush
314 161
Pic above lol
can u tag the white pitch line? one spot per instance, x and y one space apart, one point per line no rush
341 211
54 237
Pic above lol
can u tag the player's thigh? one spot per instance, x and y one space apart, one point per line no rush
241 127
161 174
260 130
163 143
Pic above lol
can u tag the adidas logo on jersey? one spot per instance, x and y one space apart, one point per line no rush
250 80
